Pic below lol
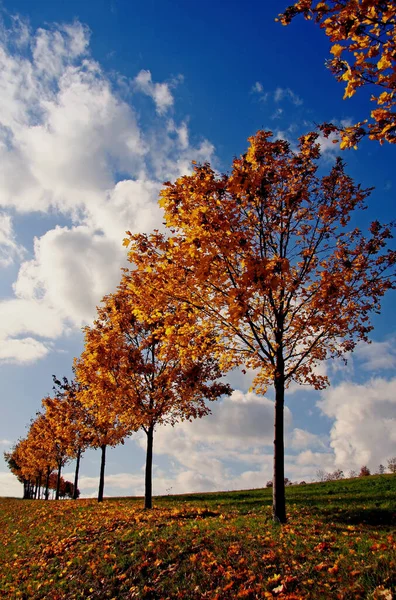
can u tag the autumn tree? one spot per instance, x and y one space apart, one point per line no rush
39 451
270 256
62 432
363 34
107 412
32 459
364 471
15 463
156 383
79 420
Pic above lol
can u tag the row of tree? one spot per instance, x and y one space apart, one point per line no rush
127 378
263 268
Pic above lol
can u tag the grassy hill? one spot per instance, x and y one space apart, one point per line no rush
339 542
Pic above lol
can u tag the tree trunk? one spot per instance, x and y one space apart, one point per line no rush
102 472
75 489
47 483
148 497
278 490
25 490
58 480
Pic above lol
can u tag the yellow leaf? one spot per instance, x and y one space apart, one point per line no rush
336 49
384 63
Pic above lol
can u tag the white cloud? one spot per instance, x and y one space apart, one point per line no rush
242 421
377 356
159 92
258 87
71 146
52 49
281 94
277 114
10 486
22 351
9 248
72 270
364 428
304 439
330 145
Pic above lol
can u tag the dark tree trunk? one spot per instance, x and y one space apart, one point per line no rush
47 483
25 490
39 489
35 489
75 489
148 495
278 490
58 480
102 472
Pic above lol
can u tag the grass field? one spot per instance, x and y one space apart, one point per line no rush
339 542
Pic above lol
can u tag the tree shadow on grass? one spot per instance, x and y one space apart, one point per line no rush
374 517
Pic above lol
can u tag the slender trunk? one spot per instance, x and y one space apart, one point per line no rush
47 483
35 489
58 480
102 472
75 489
148 496
25 490
39 489
278 498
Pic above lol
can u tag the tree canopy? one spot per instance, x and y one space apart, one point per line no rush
271 257
364 54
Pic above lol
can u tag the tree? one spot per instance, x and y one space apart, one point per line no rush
108 417
268 255
14 462
321 475
335 476
364 472
153 381
79 420
364 53
381 469
62 431
392 464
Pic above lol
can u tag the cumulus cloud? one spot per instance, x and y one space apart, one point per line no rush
364 419
22 351
377 356
10 486
304 439
71 147
72 269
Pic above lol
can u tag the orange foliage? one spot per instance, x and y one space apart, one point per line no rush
268 257
131 373
364 46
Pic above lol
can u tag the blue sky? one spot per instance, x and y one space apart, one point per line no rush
100 102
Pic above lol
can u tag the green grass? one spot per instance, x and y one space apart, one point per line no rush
338 543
